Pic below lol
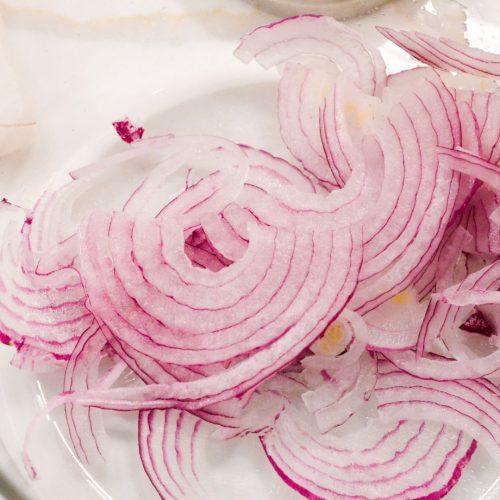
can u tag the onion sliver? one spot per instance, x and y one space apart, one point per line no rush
395 460
445 54
471 406
471 165
169 444
321 38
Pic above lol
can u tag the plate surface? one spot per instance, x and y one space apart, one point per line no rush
168 66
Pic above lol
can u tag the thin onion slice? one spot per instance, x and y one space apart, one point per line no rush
321 38
445 54
396 460
471 406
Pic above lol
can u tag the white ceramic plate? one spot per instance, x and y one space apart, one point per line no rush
168 66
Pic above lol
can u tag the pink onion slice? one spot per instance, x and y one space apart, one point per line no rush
275 206
299 103
437 368
334 403
395 460
169 445
321 38
334 288
39 313
345 115
480 223
395 324
220 275
310 68
442 319
183 456
471 165
84 424
472 406
445 54
405 233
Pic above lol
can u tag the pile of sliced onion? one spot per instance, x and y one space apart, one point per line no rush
344 311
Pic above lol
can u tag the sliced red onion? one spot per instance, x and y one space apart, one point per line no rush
486 109
311 65
481 224
471 165
169 445
471 406
281 297
220 275
417 200
443 368
334 403
334 289
85 424
271 204
442 320
346 114
394 460
445 54
299 103
39 313
321 39
127 131
395 324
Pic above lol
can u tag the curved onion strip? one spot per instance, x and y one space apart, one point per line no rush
472 297
422 119
395 324
169 445
442 318
179 451
46 313
84 424
471 406
263 192
332 407
471 165
396 460
299 102
345 113
136 150
236 415
486 109
321 38
403 238
335 288
223 237
209 157
142 271
42 299
481 224
263 195
445 54
443 368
